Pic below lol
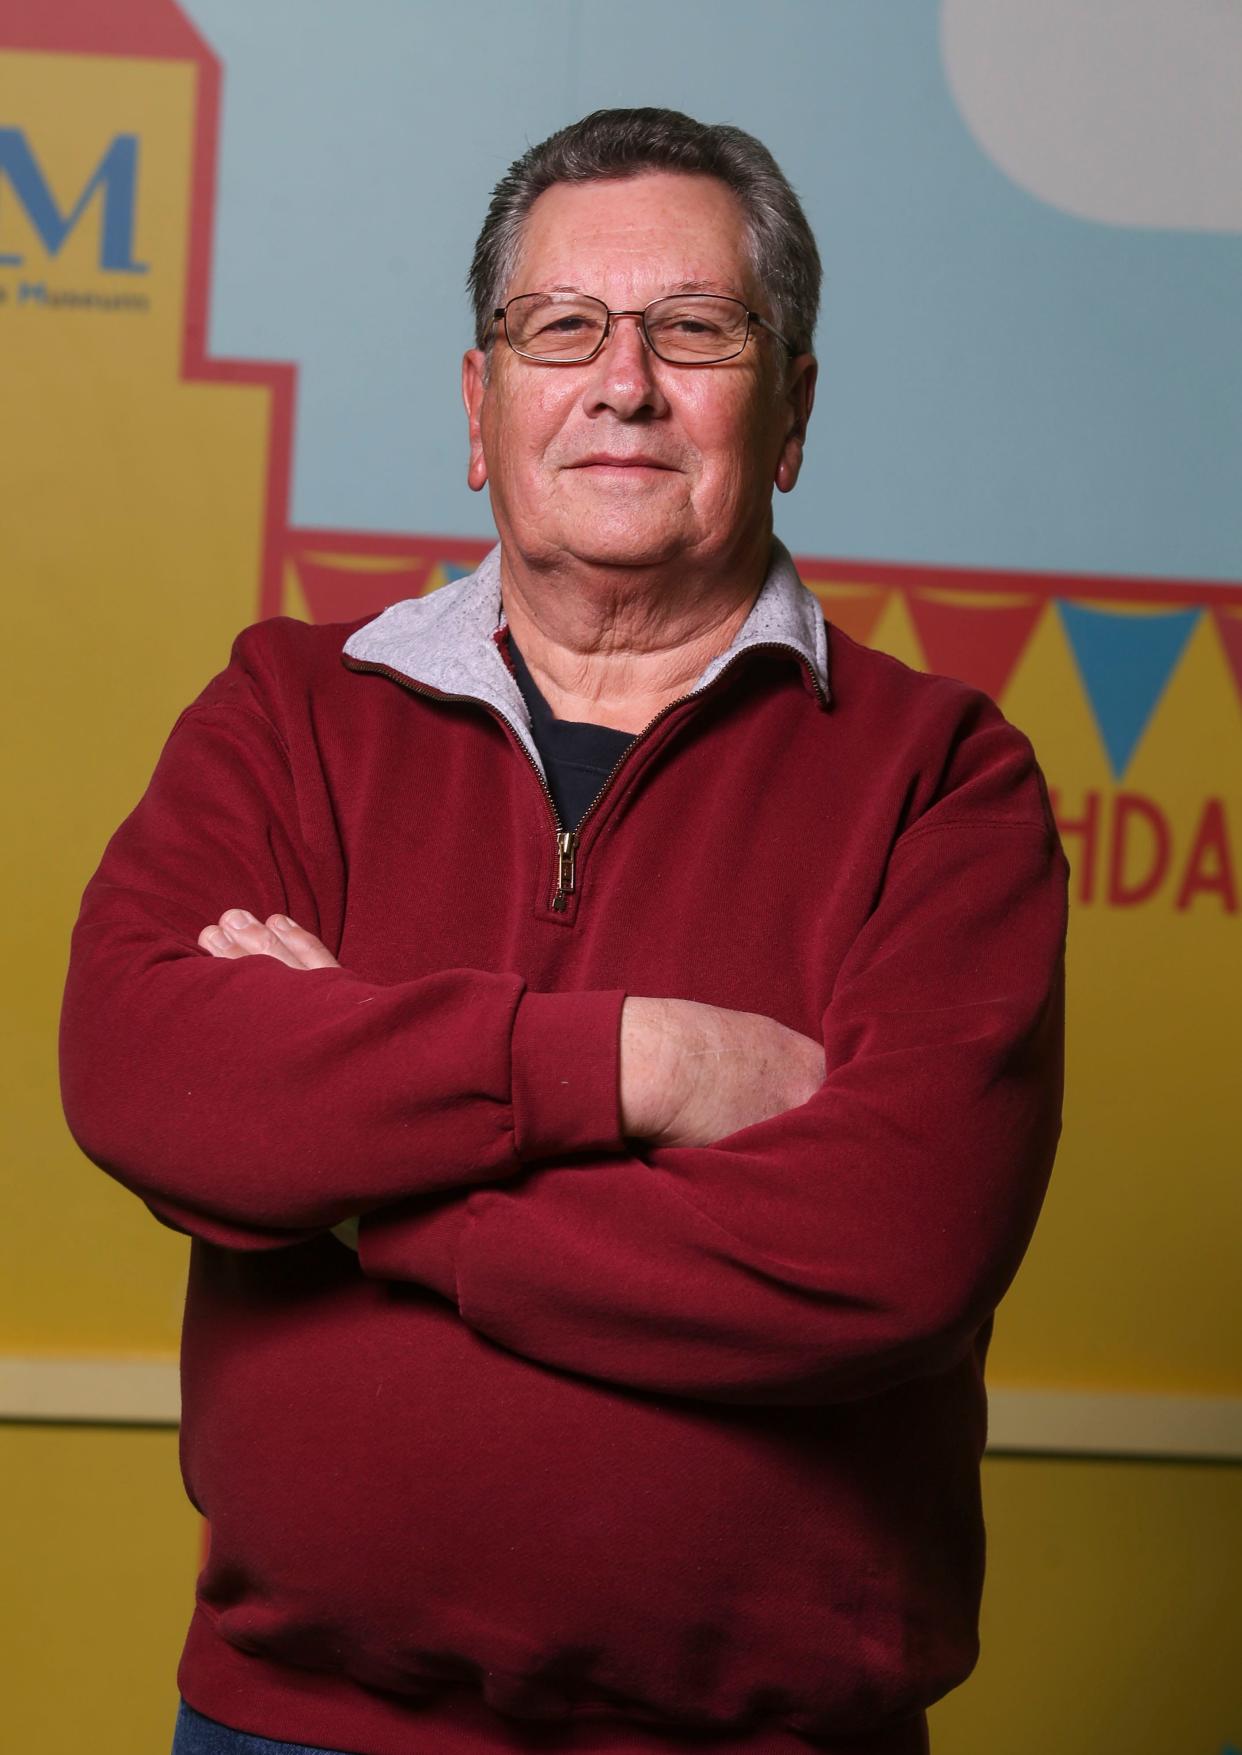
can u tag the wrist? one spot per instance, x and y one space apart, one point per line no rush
650 1079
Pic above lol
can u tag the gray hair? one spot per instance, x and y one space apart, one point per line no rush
626 143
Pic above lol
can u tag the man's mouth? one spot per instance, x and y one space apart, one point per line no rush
605 460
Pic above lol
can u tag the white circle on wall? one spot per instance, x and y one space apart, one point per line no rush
1127 112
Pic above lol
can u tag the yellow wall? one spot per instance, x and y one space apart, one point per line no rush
130 569
100 1550
1110 1618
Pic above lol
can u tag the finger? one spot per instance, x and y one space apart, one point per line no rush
311 952
218 942
254 939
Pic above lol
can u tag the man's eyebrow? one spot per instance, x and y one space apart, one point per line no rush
708 286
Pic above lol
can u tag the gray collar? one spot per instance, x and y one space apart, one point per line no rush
447 641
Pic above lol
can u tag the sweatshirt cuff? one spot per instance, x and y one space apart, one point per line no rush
567 1074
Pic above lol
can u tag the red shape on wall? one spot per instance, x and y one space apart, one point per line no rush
1229 627
346 576
1209 869
145 29
337 592
857 614
1081 837
976 643
1154 844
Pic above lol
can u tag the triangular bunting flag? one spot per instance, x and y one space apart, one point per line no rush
978 643
855 609
1229 627
342 590
1125 662
454 570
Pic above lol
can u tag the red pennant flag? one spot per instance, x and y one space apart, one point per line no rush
1229 627
977 643
857 613
339 591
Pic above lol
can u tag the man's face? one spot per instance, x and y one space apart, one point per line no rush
627 460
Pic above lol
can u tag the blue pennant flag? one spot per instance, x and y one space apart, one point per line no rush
1125 662
453 571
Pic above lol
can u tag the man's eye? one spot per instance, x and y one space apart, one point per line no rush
566 325
688 325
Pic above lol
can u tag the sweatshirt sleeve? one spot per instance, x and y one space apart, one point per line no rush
254 1105
843 1247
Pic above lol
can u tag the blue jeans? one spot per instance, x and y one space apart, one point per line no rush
196 1735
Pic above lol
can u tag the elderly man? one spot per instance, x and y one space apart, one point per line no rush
662 996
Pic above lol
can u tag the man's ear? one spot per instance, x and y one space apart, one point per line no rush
797 400
473 389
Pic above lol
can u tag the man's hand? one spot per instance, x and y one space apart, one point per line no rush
239 934
691 1073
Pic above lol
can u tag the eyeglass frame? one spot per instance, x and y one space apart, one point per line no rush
499 315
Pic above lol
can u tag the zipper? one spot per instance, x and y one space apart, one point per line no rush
566 856
567 840
567 844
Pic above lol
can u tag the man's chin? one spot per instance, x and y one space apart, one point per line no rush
611 547
624 553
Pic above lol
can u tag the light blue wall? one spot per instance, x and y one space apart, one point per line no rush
1001 384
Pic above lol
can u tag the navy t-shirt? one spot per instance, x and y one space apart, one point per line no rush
577 758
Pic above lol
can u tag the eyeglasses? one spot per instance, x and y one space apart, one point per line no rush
686 329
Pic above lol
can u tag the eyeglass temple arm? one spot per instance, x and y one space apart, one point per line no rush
764 324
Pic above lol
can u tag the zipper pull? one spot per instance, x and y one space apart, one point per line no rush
566 848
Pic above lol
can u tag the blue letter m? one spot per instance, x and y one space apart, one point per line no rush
116 174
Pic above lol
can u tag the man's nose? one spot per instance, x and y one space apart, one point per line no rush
623 371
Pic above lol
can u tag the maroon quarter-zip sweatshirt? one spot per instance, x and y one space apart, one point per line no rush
589 1446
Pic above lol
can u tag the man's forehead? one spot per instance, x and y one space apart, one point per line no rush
688 232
